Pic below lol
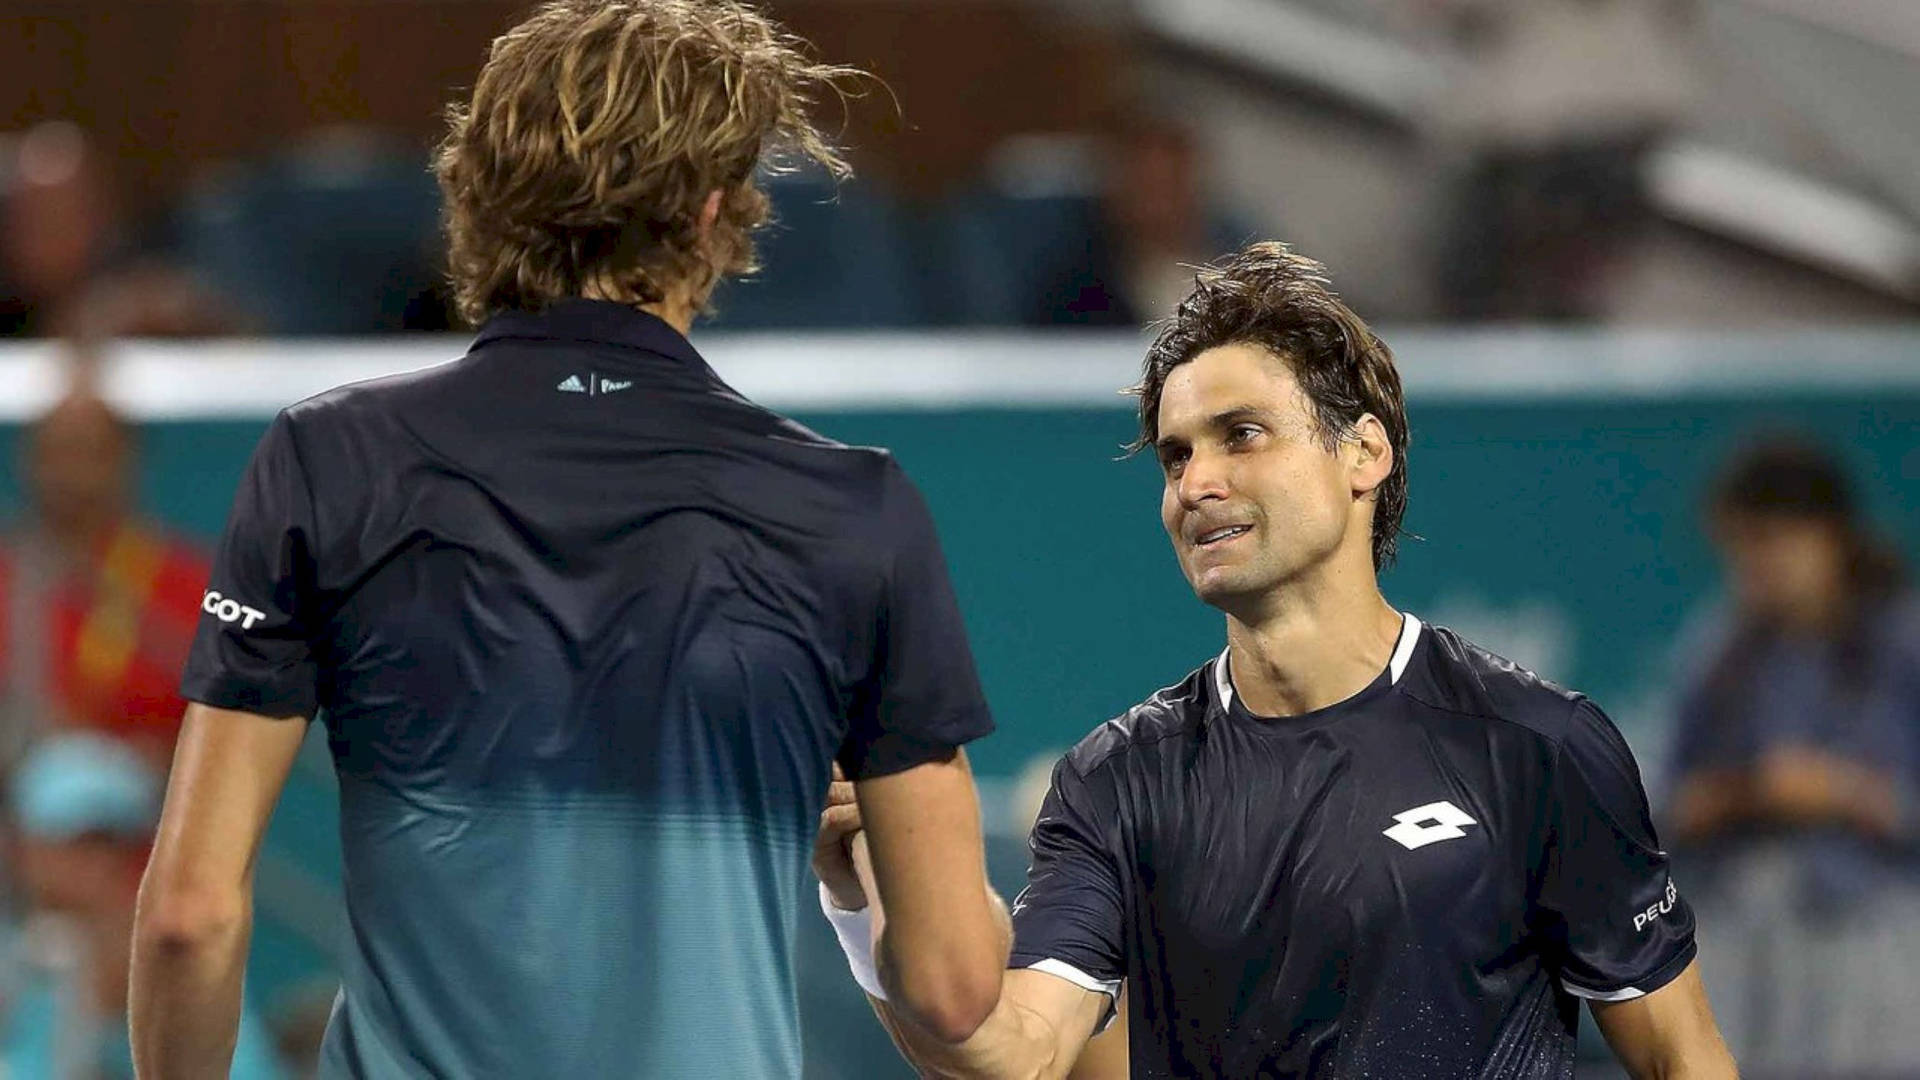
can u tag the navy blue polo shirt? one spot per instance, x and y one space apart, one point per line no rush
587 629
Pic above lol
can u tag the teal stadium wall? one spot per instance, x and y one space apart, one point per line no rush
1563 530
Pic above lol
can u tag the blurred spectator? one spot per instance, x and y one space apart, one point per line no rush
1153 221
149 299
67 265
1550 116
57 224
1068 230
83 809
1798 748
97 607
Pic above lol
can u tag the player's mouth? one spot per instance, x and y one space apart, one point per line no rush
1215 537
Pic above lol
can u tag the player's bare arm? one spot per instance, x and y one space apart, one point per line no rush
1038 1024
1668 1034
942 948
195 913
1036 1032
1105 1056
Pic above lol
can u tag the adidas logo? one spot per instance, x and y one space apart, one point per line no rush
609 386
573 385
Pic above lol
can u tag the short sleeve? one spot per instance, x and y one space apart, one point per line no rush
252 650
1617 926
921 698
1068 921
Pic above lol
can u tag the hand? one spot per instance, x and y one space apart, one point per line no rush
1794 777
833 845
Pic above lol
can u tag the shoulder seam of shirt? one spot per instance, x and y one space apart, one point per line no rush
1559 752
1128 745
1565 694
1572 697
880 532
306 478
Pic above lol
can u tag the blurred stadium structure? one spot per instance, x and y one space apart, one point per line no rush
1715 202
1706 161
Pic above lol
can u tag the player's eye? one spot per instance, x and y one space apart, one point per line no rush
1242 434
1172 461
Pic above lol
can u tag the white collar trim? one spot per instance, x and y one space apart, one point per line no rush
1403 652
1396 666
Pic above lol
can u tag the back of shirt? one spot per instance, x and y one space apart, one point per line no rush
587 630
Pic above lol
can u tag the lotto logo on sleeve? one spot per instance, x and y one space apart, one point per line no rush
1654 911
229 610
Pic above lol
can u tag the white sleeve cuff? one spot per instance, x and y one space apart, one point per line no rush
1060 969
1627 993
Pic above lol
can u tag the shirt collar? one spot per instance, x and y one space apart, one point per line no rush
600 321
1223 691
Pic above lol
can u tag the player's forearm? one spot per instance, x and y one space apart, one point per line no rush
1706 1062
1669 1034
946 974
1014 1043
949 990
189 960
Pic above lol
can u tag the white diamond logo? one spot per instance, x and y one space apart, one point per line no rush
572 385
1428 824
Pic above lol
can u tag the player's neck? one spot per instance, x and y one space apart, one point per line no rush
676 309
1316 645
676 314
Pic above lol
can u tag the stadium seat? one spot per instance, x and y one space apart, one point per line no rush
833 257
1007 253
337 236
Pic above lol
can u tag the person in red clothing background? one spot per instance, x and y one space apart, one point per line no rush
97 607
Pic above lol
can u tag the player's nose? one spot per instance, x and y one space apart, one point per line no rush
1203 480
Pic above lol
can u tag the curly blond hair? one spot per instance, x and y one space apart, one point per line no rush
597 130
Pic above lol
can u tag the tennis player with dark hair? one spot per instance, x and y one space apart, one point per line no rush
588 629
1351 845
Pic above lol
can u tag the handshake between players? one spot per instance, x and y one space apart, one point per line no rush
1349 845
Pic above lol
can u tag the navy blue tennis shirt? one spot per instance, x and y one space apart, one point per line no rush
1418 881
586 628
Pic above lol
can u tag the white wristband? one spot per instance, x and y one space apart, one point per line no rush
855 931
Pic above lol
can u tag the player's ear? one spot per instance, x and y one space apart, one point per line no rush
1371 455
710 211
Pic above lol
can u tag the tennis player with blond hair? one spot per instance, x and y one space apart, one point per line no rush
588 630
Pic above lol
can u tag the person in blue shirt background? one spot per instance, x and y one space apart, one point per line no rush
1795 755
83 809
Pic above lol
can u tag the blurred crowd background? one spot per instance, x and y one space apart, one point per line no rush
1653 268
